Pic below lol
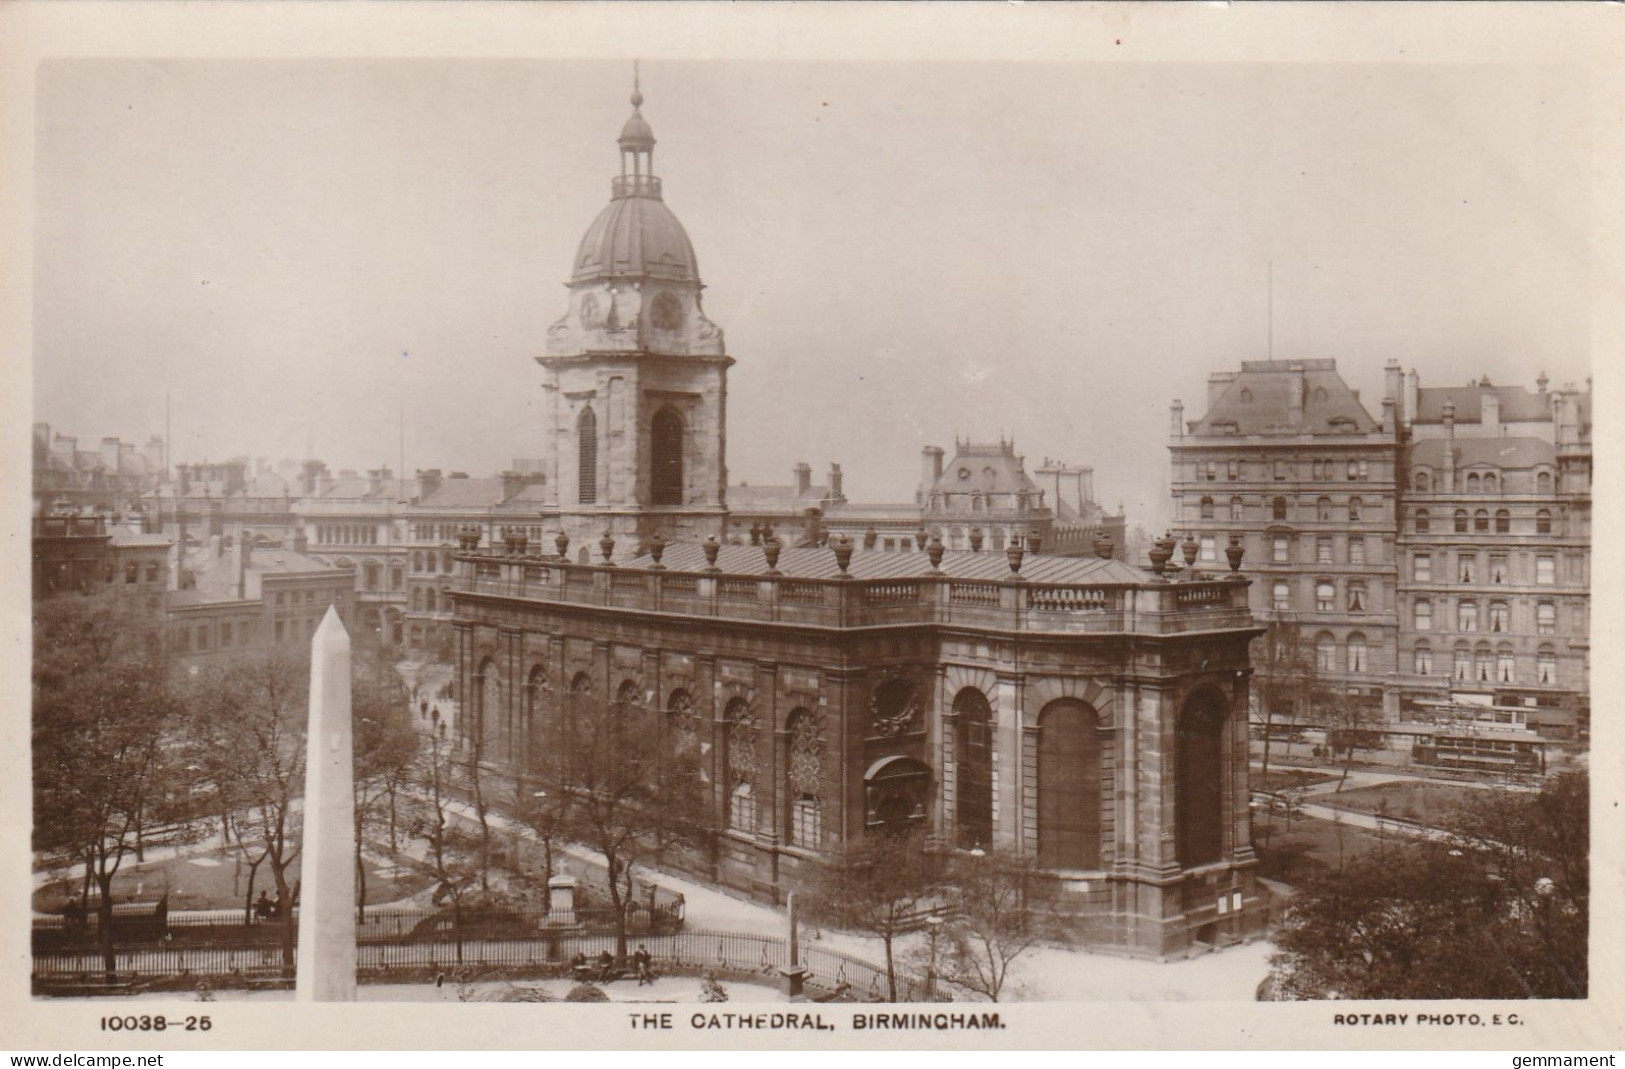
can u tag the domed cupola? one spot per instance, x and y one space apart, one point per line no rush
636 236
635 282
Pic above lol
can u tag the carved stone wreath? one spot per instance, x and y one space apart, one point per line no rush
893 707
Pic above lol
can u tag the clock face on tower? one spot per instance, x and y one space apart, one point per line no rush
666 313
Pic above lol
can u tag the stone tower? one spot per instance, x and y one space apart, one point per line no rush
637 376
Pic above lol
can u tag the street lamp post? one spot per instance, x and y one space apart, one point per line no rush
933 925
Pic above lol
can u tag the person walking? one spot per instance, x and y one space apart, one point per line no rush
642 962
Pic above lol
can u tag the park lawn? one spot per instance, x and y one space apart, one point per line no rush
1286 779
1425 803
211 879
1309 845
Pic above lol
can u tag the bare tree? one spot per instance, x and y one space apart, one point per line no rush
455 854
992 923
386 747
104 722
879 887
1287 677
249 717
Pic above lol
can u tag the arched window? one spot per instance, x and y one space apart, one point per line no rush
1461 663
587 457
1199 810
741 765
1506 665
1325 652
1354 508
1422 521
430 600
683 726
1422 614
896 790
1422 482
1543 482
1467 615
1356 652
973 767
1490 482
1473 486
1481 521
488 715
1461 521
1503 521
1423 659
417 599
1207 508
1323 508
1235 508
1068 786
1545 618
1483 664
1546 665
1278 508
536 724
666 458
805 777
1543 522
1500 617
1280 596
1325 595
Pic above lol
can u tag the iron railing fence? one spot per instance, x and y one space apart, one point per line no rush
833 973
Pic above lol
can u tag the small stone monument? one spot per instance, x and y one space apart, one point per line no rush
794 973
561 902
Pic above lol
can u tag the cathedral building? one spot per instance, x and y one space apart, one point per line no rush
1078 711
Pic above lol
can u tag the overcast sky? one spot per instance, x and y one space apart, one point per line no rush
295 252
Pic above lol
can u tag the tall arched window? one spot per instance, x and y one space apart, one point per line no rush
1422 521
1325 652
1357 652
1323 508
587 458
1424 659
1461 662
1207 508
1481 521
1472 482
1503 521
1543 482
741 765
1490 481
536 725
666 458
1422 481
1546 665
1354 508
1235 508
805 777
1506 665
973 755
430 600
1068 786
1199 784
1278 508
1483 664
488 717
1543 522
1461 521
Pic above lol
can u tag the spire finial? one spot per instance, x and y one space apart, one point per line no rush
637 92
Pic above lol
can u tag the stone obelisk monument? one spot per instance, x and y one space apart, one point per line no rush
327 865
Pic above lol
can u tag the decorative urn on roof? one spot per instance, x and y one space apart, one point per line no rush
843 554
770 550
1104 546
1234 551
1033 542
976 540
1013 553
934 551
1162 551
755 534
712 547
562 541
1190 547
657 549
920 538
606 546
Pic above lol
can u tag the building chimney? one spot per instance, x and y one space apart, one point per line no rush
1407 407
1086 491
1489 408
109 454
803 472
1388 405
244 551
1449 446
835 490
428 482
1176 419
930 468
1393 388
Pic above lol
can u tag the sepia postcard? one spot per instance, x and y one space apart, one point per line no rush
811 526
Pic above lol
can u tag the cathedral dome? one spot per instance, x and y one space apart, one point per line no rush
636 235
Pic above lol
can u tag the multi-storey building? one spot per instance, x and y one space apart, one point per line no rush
84 554
1495 542
1287 460
109 478
359 524
1439 554
234 598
